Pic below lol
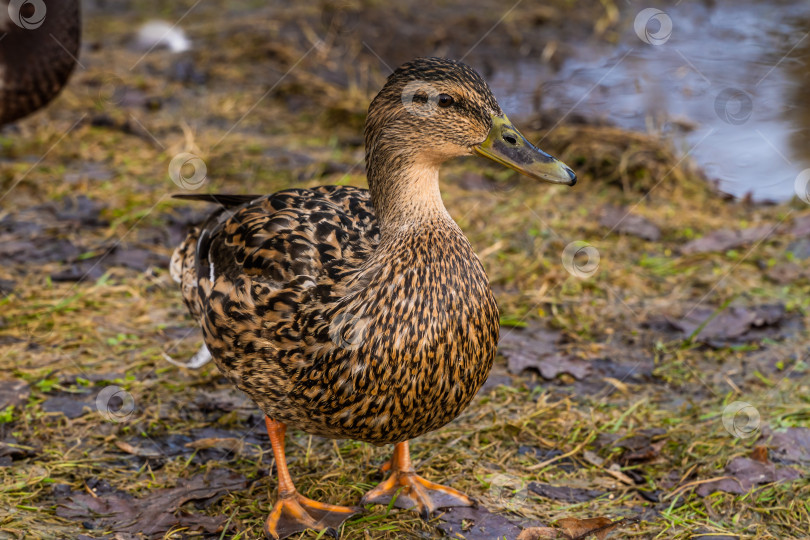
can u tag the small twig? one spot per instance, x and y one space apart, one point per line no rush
90 491
695 483
575 451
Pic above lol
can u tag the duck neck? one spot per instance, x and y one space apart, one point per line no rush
404 191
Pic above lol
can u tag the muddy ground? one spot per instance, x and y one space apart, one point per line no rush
658 380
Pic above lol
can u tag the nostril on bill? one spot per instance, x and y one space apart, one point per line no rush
509 138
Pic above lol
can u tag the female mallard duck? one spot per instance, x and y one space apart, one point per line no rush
360 314
38 51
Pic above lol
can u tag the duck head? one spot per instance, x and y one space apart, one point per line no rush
434 109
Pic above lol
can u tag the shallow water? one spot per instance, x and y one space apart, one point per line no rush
729 81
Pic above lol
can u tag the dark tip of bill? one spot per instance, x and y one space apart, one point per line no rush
572 176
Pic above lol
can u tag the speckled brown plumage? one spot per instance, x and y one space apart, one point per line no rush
362 314
351 313
36 59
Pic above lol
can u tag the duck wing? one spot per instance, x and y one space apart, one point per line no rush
251 269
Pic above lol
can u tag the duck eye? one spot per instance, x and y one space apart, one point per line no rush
445 100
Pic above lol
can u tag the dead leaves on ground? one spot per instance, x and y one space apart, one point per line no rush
620 220
476 524
480 524
157 512
725 239
536 347
791 445
735 324
742 474
576 529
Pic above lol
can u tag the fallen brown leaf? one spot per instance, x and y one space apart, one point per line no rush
476 524
725 239
645 453
536 533
155 513
742 474
620 220
760 453
70 406
580 529
733 323
790 445
536 348
523 348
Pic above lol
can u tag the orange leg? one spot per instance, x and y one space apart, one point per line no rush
411 490
293 512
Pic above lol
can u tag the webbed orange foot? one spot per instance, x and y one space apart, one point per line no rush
294 513
411 490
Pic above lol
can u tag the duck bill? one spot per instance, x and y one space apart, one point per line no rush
509 147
